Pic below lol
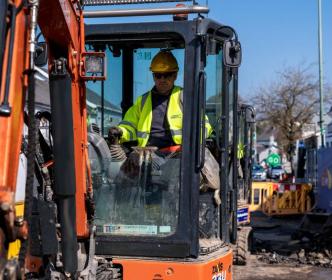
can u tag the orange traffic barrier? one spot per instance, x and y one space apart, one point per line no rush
280 198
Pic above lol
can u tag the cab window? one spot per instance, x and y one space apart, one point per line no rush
137 192
143 80
103 99
213 93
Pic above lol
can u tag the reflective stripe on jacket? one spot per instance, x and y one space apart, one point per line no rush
240 150
136 124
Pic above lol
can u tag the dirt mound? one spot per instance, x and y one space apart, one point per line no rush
322 259
275 241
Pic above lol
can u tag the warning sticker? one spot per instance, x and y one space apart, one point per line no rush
131 229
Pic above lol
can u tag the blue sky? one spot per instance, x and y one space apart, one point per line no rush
274 34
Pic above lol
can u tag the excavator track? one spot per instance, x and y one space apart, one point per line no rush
242 247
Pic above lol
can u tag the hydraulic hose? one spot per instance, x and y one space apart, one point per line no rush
31 125
30 160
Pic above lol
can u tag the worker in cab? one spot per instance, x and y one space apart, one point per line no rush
156 117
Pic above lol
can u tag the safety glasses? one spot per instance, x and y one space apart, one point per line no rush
163 75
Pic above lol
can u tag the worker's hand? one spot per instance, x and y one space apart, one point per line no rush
114 135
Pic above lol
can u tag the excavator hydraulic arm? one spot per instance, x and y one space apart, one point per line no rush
61 23
14 61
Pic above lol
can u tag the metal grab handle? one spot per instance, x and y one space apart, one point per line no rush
200 154
146 12
123 2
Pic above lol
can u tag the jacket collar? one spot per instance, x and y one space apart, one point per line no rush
154 91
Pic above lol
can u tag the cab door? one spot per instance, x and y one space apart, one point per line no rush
221 109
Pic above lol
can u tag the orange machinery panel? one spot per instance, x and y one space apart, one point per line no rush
219 268
11 126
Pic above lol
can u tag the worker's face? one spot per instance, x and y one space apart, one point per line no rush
164 82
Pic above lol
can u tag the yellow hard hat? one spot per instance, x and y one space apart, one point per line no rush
164 62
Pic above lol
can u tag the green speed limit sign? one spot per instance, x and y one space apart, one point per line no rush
273 160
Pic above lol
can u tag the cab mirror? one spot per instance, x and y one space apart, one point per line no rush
232 53
41 54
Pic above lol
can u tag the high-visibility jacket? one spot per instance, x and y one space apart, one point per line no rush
240 150
136 124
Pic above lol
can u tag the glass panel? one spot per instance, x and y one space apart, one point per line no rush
231 111
112 95
241 152
143 79
213 92
231 131
136 189
242 132
208 210
140 195
256 196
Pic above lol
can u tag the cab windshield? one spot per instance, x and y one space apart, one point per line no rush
136 190
140 194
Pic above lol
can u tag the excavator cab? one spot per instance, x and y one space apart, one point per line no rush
153 214
156 216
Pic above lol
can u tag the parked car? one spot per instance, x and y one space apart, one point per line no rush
258 173
276 172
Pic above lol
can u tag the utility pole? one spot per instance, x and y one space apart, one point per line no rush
320 54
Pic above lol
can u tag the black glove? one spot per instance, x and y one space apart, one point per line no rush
114 135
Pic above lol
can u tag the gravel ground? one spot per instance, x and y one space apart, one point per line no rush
275 255
258 270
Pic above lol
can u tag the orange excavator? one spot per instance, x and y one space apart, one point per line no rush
61 24
93 211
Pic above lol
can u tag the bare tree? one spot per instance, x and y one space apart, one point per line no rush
288 104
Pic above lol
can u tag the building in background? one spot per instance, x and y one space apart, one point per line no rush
266 144
112 113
